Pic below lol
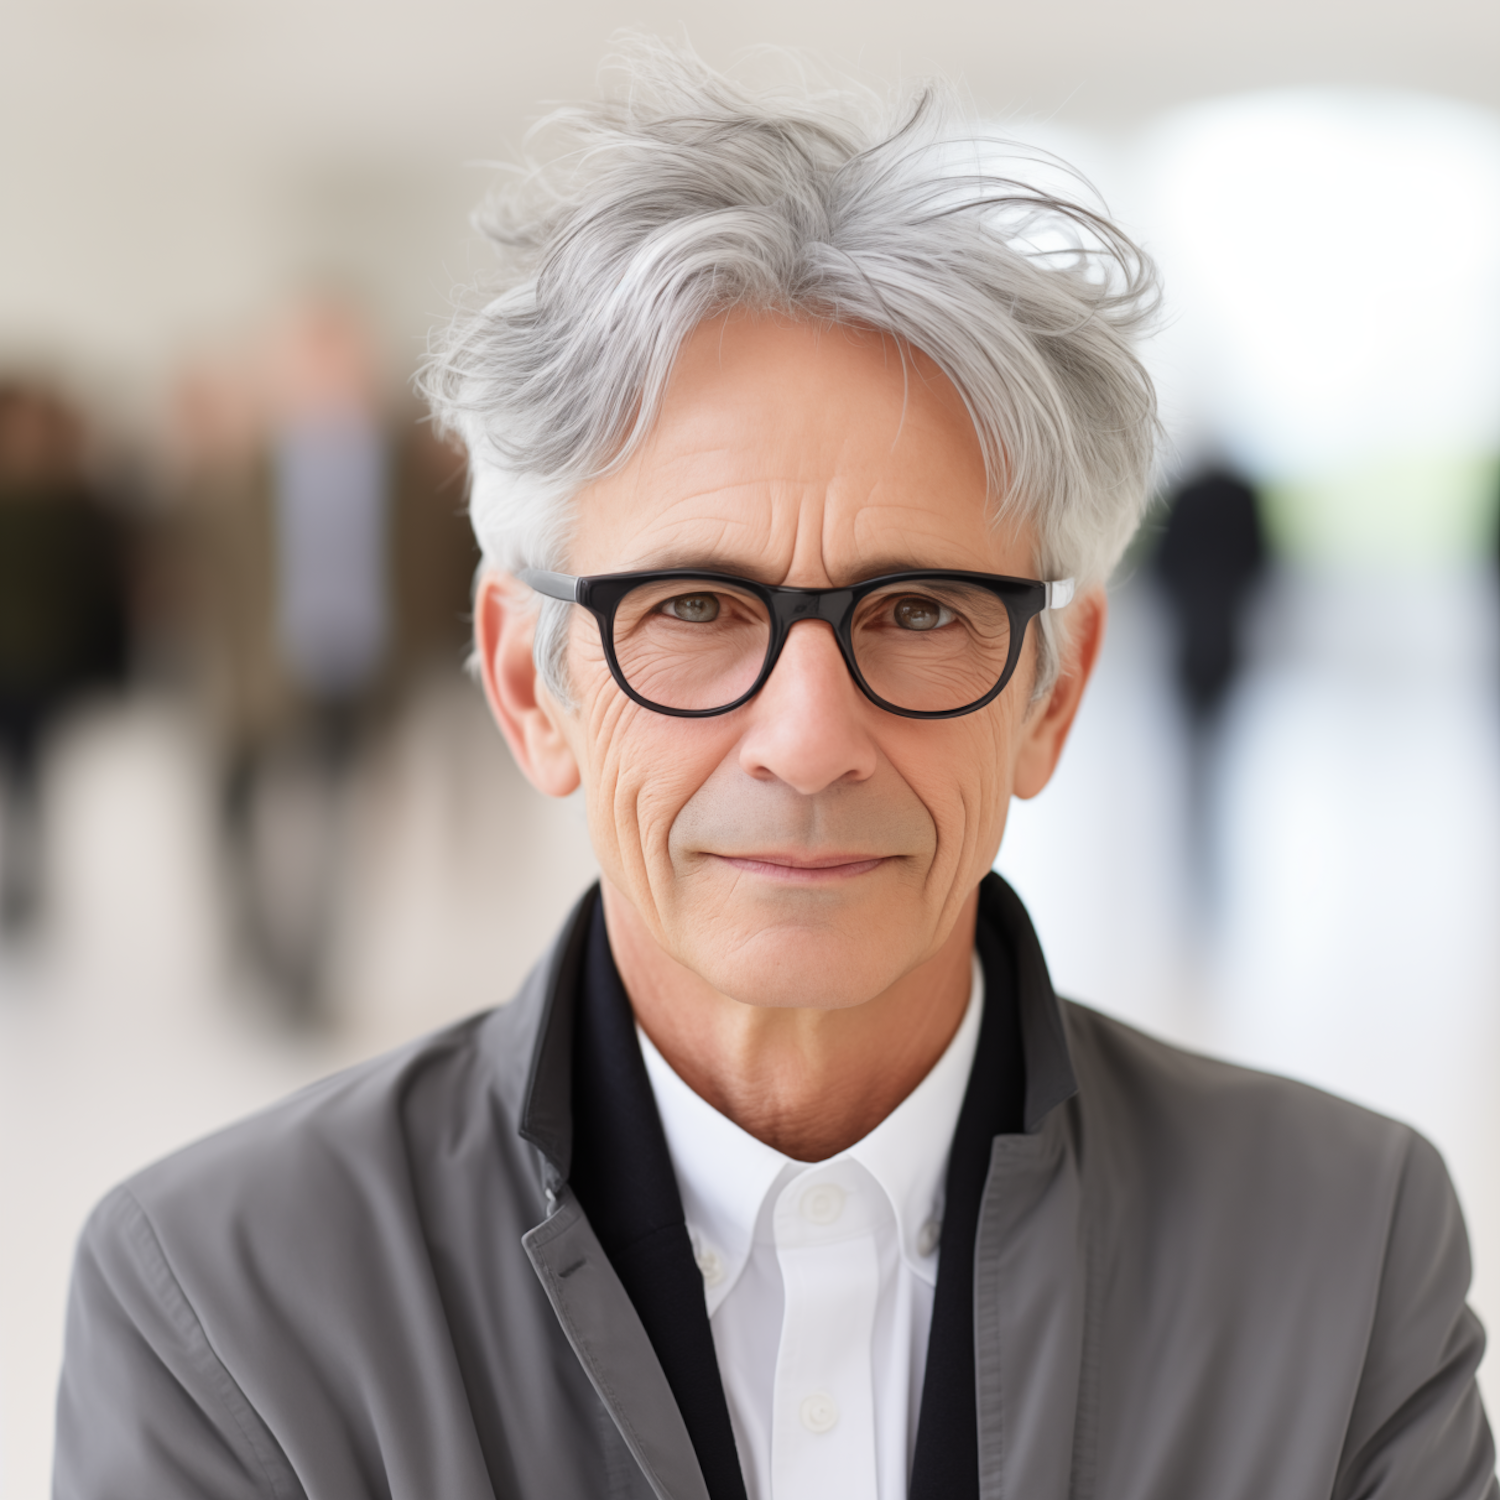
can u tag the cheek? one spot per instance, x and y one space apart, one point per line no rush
640 770
963 773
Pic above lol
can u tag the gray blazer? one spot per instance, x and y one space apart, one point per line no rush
1192 1282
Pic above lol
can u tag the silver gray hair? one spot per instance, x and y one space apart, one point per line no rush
685 195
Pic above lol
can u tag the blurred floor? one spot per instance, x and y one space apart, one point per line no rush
1357 880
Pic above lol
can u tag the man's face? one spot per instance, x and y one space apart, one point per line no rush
809 848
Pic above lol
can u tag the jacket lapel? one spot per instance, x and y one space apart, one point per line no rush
1029 1312
1031 1274
945 1464
611 1343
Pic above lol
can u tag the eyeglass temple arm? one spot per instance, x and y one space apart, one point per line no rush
1059 593
553 585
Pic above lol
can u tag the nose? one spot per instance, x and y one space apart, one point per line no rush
809 725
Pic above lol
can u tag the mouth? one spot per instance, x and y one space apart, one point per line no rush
803 869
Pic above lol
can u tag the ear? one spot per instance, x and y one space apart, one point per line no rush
528 715
1045 729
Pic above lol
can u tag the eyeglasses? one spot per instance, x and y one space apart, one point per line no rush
692 643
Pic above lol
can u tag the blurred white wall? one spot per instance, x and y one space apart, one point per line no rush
170 164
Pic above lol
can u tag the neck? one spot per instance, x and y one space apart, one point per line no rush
808 1082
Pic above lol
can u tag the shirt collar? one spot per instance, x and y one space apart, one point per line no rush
725 1175
907 1153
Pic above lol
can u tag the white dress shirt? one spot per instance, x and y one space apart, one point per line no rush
819 1279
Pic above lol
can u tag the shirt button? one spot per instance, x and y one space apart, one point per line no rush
928 1236
819 1412
822 1205
711 1264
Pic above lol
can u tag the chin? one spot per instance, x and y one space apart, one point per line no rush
814 965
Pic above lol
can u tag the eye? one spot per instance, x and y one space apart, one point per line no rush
696 609
917 613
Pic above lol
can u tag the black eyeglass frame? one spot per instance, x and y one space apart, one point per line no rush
601 594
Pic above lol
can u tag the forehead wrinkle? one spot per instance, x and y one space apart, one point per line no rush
758 523
799 445
767 493
872 525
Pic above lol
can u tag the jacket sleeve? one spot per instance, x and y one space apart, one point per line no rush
1418 1430
146 1410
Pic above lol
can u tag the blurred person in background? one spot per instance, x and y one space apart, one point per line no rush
327 467
327 567
799 462
1207 563
63 614
1210 556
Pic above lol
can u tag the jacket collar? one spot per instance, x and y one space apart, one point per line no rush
1050 1079
547 1103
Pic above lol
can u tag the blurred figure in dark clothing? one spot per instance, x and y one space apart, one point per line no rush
1211 556
62 613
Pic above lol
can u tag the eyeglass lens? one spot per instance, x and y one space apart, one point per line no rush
928 645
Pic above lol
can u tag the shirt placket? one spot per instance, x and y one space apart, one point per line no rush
823 1418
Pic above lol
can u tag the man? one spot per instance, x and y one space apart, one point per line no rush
801 449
